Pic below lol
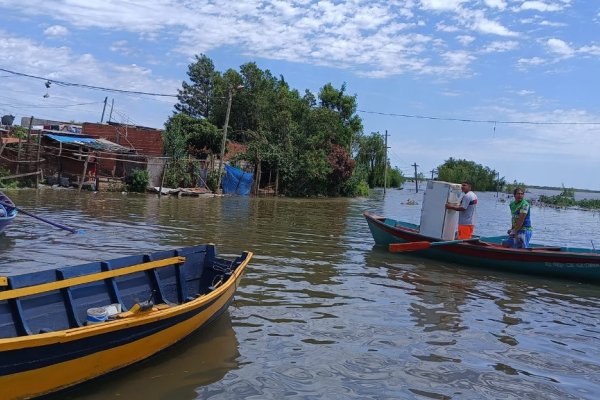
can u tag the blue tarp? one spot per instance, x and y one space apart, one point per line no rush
71 139
237 181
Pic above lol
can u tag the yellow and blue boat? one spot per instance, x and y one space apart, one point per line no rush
64 326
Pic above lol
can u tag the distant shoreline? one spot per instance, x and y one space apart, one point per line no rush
535 187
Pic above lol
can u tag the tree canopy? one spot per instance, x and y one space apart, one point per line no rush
482 178
307 141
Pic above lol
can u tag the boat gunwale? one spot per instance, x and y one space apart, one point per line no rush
483 245
138 319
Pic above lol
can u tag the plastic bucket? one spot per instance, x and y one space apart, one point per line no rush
96 315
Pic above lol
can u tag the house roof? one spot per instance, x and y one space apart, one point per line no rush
87 141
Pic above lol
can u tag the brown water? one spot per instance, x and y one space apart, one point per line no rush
322 313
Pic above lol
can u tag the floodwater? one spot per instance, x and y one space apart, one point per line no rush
324 314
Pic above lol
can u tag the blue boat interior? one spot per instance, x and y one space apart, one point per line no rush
67 307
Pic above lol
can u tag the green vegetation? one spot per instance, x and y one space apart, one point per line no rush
137 181
313 145
482 178
567 199
7 183
510 187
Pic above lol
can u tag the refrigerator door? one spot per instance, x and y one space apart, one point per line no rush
436 220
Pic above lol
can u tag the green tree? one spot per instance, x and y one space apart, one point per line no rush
305 142
396 179
510 187
371 155
483 178
186 136
196 98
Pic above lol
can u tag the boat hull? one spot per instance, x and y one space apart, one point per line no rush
41 363
6 220
571 263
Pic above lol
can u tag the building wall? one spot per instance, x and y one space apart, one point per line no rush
147 141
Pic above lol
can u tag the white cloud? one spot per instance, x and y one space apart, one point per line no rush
442 27
500 47
591 50
525 92
441 5
465 40
499 4
56 31
123 47
61 63
552 24
477 21
487 26
560 47
540 6
533 61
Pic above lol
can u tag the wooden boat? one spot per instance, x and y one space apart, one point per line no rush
487 252
54 328
10 211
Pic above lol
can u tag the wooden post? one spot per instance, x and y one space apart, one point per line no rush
85 164
37 177
97 176
162 180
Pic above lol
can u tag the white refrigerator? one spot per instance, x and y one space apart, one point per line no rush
436 220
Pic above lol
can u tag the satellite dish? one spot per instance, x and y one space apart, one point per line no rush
8 119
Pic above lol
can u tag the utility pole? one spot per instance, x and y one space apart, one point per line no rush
385 164
224 142
497 184
104 109
416 180
112 104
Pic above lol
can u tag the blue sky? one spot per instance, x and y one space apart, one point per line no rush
427 71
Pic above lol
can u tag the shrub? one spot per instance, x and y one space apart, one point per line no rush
138 180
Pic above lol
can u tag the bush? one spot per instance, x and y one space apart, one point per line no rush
138 180
212 180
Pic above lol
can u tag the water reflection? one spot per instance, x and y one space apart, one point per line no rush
322 313
176 373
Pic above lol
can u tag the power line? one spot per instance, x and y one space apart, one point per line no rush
488 121
81 85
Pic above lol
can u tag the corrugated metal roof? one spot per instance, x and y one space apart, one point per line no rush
71 139
96 144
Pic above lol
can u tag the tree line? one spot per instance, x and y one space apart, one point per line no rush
305 144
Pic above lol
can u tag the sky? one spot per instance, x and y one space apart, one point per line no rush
512 85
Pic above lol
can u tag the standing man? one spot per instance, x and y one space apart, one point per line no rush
466 209
520 232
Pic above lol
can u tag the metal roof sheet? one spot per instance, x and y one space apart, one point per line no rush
97 144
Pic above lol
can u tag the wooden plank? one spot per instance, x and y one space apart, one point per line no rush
10 140
80 280
19 175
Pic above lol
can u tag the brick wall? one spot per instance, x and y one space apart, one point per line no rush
147 141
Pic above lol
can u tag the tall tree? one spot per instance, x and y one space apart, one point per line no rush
196 98
371 155
482 178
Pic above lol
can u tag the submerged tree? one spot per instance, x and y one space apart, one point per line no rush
482 178
301 143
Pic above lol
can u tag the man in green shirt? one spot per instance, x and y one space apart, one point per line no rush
521 230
